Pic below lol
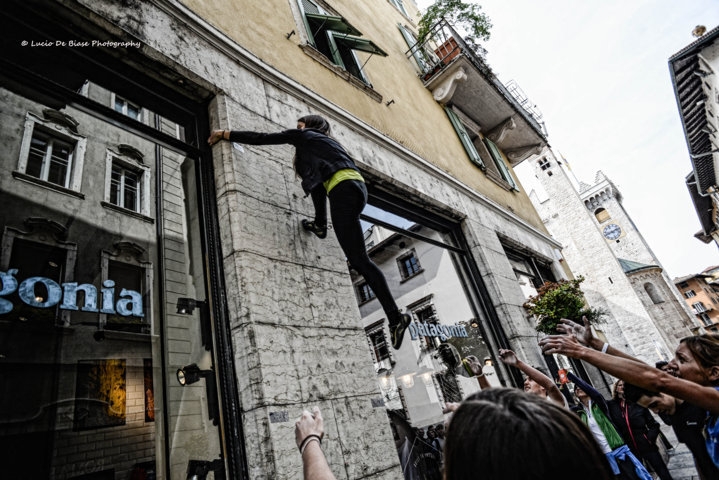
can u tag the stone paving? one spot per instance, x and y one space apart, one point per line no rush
681 462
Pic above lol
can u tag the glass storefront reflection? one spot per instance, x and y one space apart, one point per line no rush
100 239
417 380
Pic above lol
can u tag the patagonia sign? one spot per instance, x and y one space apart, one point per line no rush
424 329
128 305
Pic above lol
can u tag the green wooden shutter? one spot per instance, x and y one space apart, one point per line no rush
464 137
499 161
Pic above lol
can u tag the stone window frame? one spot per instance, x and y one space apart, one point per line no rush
45 232
130 254
128 158
378 342
364 292
55 127
404 272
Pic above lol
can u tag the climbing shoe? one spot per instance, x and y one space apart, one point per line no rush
320 231
397 330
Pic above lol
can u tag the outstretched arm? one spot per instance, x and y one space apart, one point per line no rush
476 369
635 372
583 334
309 431
508 357
292 137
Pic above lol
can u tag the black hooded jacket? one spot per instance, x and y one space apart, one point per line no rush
318 156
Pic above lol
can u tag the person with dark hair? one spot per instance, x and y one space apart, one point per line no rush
327 170
593 410
505 433
638 428
696 363
687 421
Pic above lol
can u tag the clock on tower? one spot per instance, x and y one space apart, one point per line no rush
612 231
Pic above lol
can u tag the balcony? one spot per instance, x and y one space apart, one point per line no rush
456 75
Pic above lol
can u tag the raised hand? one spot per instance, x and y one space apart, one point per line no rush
567 345
508 357
583 333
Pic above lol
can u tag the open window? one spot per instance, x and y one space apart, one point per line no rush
334 37
483 152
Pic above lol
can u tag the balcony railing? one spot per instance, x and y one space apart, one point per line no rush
439 47
443 44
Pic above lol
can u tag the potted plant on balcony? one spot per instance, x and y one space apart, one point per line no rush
557 300
465 17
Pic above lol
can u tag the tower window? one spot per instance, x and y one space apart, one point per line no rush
602 215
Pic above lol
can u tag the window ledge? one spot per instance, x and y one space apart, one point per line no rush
42 183
410 277
139 216
499 180
341 72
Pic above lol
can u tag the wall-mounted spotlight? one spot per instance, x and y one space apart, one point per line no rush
190 374
185 306
198 469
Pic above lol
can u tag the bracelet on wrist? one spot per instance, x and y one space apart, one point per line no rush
605 347
307 440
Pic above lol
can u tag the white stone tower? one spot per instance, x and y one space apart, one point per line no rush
622 275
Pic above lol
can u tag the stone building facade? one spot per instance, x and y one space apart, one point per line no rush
189 319
646 315
701 294
694 72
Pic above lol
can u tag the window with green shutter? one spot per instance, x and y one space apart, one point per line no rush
336 38
464 138
499 162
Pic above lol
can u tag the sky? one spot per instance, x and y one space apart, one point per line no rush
598 72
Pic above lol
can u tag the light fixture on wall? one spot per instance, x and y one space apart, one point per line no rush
190 374
198 469
407 380
186 306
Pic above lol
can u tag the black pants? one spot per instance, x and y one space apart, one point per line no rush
656 462
347 200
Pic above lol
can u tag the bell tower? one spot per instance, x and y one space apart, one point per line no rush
602 244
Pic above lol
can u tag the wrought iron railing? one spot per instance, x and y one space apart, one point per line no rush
443 44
